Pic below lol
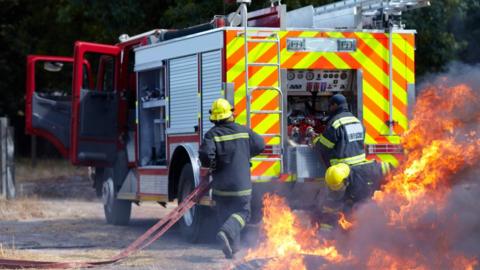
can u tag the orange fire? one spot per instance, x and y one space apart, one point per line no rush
344 223
289 239
438 144
441 143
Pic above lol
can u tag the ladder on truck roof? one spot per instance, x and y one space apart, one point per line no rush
347 14
369 6
357 13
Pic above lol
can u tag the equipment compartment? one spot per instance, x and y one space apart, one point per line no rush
308 93
151 117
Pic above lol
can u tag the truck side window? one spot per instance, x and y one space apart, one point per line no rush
53 80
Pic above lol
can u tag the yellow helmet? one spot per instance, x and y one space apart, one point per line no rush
336 175
221 109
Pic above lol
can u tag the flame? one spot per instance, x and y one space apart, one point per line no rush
435 151
344 223
442 142
288 238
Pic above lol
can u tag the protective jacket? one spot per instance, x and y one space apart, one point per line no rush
364 179
227 148
343 139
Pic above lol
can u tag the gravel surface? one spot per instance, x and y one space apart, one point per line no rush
60 219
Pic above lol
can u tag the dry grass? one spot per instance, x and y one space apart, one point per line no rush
21 209
138 259
46 169
10 252
51 178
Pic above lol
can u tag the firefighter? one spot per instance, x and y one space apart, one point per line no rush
349 185
226 150
343 139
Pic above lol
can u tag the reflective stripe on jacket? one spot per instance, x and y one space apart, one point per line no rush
343 140
364 179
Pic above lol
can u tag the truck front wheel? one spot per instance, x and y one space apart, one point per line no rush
117 212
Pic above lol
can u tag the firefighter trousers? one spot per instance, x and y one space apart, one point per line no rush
233 213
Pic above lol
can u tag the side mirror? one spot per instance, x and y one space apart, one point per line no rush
53 66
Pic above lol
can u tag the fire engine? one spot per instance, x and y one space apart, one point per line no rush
136 111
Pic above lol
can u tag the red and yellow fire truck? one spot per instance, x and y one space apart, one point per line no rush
136 111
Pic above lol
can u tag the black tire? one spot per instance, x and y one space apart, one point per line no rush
117 212
191 224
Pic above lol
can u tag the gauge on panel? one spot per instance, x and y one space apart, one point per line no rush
290 75
309 76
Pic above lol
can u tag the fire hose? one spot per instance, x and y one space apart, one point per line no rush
150 236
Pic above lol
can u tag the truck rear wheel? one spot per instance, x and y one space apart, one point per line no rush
117 212
192 221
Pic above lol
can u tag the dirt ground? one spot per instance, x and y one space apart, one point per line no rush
59 218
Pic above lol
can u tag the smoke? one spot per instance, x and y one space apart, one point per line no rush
439 235
462 204
441 228
426 215
433 242
463 207
456 73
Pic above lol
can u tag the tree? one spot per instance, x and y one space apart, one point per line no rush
469 31
448 30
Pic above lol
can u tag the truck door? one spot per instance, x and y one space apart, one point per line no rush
49 99
95 105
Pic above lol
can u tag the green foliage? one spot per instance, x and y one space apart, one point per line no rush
469 31
447 30
12 52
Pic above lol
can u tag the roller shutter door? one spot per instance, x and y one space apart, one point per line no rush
211 85
183 92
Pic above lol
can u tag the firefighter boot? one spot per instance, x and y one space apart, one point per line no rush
225 242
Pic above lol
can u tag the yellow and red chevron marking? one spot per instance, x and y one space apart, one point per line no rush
371 56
